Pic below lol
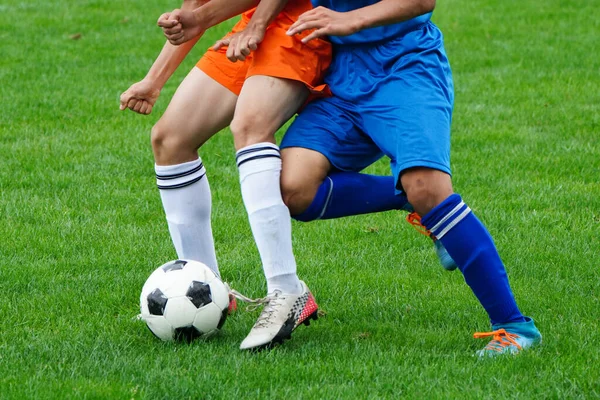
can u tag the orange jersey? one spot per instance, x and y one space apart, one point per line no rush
278 55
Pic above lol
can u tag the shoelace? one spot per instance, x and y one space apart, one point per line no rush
271 302
254 302
415 220
500 339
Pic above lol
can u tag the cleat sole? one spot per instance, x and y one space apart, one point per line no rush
278 340
313 316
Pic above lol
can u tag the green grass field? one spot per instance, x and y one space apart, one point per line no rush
82 224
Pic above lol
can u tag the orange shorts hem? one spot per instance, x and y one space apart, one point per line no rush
278 55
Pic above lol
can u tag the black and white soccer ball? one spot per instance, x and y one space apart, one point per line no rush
184 300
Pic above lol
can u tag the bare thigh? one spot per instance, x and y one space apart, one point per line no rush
264 105
200 108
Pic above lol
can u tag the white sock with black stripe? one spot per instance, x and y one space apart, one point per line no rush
186 199
260 168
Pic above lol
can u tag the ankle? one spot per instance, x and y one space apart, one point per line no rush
286 284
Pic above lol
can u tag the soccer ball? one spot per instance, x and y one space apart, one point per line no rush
184 300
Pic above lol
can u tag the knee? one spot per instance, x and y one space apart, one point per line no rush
297 195
168 148
426 188
422 198
250 129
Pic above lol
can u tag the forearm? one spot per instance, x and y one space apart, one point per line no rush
171 56
216 11
266 12
387 12
167 62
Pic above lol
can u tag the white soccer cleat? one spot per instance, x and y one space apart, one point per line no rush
282 313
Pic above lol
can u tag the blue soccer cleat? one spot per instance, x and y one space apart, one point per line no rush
510 338
444 257
447 262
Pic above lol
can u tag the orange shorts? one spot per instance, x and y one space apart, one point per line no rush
278 55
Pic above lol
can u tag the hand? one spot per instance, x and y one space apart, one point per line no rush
180 26
140 97
325 22
240 44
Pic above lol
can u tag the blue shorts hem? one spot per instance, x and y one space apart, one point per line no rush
318 149
423 164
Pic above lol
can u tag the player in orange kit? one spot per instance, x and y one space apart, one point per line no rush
254 97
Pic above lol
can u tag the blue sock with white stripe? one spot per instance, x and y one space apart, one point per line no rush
351 193
186 199
472 248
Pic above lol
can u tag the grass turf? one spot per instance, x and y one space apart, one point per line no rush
82 225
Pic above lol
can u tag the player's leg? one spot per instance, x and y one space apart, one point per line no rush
420 153
181 176
319 192
323 151
264 104
281 71
470 245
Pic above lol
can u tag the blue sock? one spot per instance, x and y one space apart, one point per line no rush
350 193
472 248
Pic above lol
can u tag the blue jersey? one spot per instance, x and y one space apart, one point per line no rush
376 34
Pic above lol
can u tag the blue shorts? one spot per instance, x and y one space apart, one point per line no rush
393 98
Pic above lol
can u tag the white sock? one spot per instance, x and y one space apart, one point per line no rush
260 168
185 195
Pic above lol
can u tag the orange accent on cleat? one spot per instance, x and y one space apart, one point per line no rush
500 340
415 220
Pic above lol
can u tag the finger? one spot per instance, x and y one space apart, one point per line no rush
176 15
144 108
240 50
314 35
220 43
175 36
302 19
123 100
244 51
231 51
298 28
253 43
176 39
138 106
177 42
163 19
308 25
173 30
131 103
167 24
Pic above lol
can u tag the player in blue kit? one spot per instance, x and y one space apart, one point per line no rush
393 96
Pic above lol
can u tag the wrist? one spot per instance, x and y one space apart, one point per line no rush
154 81
258 24
206 16
199 17
359 21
